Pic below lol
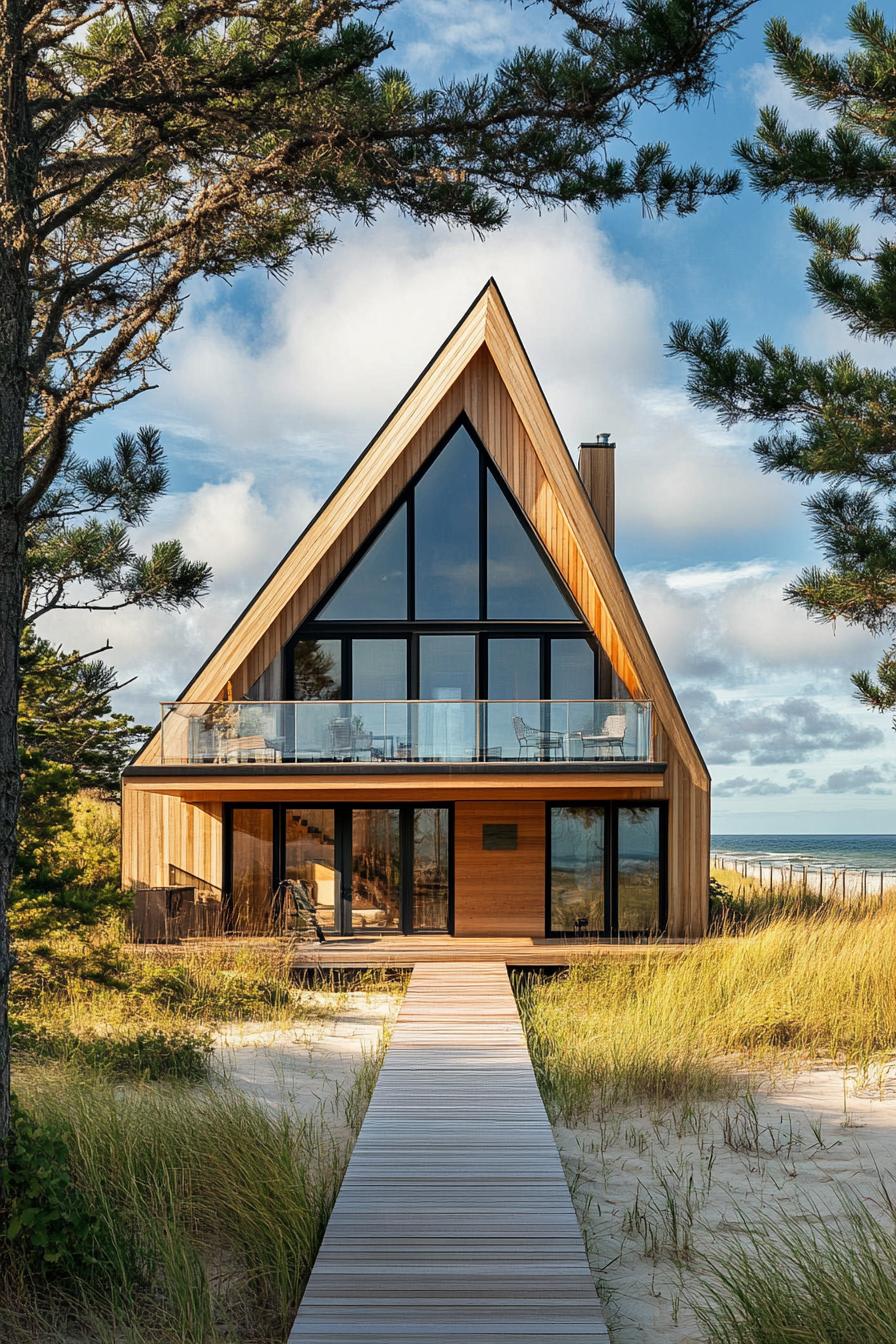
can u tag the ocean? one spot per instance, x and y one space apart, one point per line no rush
837 851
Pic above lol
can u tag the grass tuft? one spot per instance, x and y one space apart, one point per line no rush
209 1206
809 1278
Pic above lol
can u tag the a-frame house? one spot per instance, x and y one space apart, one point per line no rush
442 711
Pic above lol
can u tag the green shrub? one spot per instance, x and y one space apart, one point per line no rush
51 1228
148 1053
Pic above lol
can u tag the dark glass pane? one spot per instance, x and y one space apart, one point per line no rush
311 858
514 669
514 674
577 869
572 669
572 679
446 533
430 877
379 669
317 669
639 869
376 868
519 584
252 868
447 667
377 588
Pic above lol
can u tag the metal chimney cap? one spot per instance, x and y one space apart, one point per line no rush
603 438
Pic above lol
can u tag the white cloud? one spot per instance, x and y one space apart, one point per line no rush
730 626
479 30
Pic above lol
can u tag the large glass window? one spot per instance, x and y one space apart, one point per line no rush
446 528
376 868
447 730
514 675
310 858
519 585
377 588
317 669
639 869
252 868
578 856
430 887
614 848
572 679
447 667
379 669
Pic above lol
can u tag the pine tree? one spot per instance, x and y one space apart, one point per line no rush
831 421
145 143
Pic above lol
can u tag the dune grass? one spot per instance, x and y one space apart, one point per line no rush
663 1027
209 1210
150 1015
809 1279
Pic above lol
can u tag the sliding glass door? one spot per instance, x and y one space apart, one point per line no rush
366 869
400 861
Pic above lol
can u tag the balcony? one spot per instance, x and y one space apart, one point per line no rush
401 734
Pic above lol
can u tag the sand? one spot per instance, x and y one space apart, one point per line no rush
793 1146
309 1066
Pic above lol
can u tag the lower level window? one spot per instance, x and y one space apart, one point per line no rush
606 868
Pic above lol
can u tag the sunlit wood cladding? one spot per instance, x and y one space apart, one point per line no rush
162 832
399 787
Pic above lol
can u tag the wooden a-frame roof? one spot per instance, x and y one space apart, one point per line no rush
486 327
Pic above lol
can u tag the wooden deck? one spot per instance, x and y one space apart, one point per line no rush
400 950
454 1221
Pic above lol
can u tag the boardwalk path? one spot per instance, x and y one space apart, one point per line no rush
454 1221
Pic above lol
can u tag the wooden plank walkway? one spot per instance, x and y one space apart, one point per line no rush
454 1221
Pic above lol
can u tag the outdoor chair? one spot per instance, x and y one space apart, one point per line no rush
609 740
542 739
347 743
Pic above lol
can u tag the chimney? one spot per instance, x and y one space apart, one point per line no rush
597 468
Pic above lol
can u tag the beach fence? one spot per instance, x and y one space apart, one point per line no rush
819 879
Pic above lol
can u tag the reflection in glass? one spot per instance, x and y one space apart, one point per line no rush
520 586
376 868
572 678
252 868
379 669
430 875
577 869
514 674
639 869
310 835
446 530
446 731
447 667
317 669
377 588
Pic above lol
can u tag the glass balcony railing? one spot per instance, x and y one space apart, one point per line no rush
404 732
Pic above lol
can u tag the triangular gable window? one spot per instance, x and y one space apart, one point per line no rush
376 588
520 586
458 534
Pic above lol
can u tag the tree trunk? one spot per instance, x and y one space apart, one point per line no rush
17 153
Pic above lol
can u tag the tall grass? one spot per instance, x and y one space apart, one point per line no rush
814 1278
149 1016
667 1027
210 1206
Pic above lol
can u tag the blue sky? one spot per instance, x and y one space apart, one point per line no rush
275 387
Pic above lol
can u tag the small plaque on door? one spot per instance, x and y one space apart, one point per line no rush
499 835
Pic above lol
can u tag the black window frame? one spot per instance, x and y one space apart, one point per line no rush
612 807
341 858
